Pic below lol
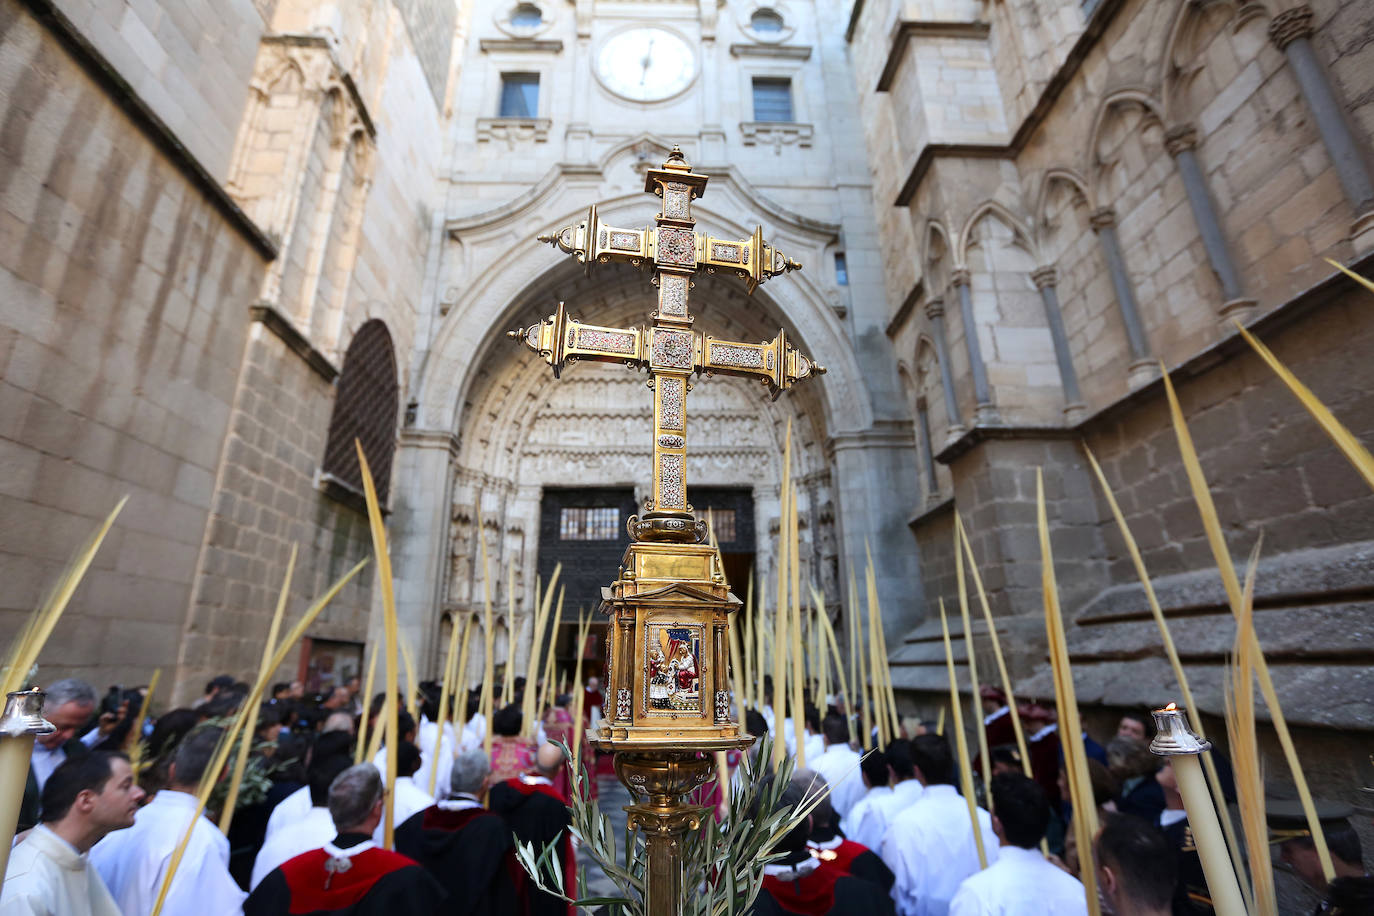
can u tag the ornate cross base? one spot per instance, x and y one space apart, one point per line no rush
660 780
667 676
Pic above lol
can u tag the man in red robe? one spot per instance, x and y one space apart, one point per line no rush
833 849
801 884
537 814
350 876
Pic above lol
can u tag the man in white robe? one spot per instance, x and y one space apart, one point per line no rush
839 765
1021 882
337 738
49 874
865 823
906 788
434 758
475 728
134 862
930 846
409 798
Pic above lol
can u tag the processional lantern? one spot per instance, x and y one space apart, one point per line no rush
668 665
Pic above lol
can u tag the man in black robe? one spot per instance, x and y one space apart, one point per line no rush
467 848
798 883
536 813
350 876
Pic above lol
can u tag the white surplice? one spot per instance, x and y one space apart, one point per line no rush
1020 883
301 834
48 877
409 799
904 795
474 730
865 823
931 850
428 760
840 767
289 810
133 862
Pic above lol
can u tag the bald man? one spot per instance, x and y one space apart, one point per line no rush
537 813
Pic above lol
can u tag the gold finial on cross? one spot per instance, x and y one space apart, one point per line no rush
670 349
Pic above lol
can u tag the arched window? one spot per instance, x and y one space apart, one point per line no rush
365 405
766 22
526 16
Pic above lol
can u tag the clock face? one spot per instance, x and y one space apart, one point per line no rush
646 64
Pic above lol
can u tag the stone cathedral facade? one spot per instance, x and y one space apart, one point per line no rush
237 235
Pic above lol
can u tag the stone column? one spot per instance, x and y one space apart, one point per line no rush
872 472
421 537
1291 32
982 391
935 311
1142 366
1046 279
1181 143
927 453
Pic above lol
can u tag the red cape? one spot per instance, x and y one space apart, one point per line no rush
810 895
306 877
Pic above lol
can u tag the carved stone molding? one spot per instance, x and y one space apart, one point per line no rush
1045 276
513 130
960 276
775 52
1180 138
1102 218
778 133
935 308
525 45
1290 25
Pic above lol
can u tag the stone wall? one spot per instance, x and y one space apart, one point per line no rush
189 61
1162 166
126 293
266 501
167 344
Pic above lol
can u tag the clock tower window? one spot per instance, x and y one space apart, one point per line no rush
519 95
766 22
526 16
772 98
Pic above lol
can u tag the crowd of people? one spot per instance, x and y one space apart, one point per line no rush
893 834
98 832
901 814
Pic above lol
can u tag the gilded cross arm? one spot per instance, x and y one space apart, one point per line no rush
560 339
592 241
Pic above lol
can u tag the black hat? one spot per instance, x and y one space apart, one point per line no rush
1288 821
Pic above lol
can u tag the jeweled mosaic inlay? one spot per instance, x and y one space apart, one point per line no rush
730 355
672 298
675 200
615 342
672 349
671 488
724 252
676 246
671 393
625 241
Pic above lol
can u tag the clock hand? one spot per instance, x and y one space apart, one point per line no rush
646 61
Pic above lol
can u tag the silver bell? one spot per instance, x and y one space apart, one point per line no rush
24 715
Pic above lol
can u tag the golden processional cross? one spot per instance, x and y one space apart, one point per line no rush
667 658
671 350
